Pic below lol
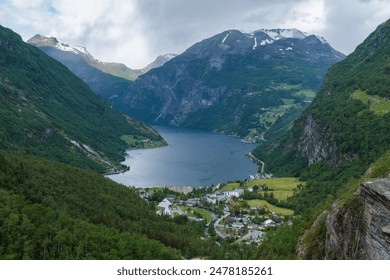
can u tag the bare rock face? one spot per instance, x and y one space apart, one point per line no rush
313 145
376 218
361 230
344 233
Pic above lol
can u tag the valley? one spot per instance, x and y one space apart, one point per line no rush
268 145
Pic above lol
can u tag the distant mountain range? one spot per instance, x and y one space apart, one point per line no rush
107 79
68 55
252 85
244 84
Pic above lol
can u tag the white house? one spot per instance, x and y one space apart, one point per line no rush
164 207
235 193
269 223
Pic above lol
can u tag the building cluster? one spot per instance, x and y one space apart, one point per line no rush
248 227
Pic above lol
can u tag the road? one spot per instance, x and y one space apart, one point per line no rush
220 234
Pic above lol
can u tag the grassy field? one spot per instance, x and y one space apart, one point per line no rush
192 212
276 184
140 142
281 188
378 104
270 207
280 195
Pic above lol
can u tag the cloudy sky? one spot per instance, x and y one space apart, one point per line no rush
136 31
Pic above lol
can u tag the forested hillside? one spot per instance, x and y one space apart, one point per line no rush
331 146
50 210
46 110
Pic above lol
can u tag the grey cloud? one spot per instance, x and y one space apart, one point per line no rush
135 32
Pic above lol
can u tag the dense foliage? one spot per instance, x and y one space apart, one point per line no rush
50 210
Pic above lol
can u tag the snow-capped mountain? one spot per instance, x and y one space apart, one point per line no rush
278 34
234 82
112 68
107 79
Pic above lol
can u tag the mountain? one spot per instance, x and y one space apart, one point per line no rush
107 79
234 83
46 110
340 146
348 118
158 62
68 54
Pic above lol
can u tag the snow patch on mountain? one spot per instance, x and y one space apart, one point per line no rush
224 39
277 34
169 56
322 39
68 48
266 42
255 45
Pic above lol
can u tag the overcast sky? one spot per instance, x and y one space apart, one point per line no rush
134 32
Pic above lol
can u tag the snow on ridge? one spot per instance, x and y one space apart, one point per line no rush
266 42
82 50
255 45
67 48
322 39
277 34
224 39
169 56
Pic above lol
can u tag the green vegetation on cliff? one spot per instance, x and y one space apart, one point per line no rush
333 143
48 111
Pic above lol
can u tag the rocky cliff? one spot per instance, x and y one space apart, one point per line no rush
361 232
357 228
315 146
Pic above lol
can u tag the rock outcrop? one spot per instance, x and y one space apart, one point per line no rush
314 146
361 230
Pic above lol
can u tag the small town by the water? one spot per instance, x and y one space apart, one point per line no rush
241 211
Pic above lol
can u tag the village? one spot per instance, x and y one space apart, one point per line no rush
239 211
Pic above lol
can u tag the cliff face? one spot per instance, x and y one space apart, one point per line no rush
313 145
363 231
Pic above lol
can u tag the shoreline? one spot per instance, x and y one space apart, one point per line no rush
256 161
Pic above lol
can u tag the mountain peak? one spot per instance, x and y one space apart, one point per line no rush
159 61
46 41
277 34
280 33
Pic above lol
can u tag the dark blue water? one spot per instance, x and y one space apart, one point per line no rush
192 158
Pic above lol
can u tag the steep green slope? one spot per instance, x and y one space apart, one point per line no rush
47 110
334 141
50 210
340 124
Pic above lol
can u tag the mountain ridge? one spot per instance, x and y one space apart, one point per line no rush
112 68
214 82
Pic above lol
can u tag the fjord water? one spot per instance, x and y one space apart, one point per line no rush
192 158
